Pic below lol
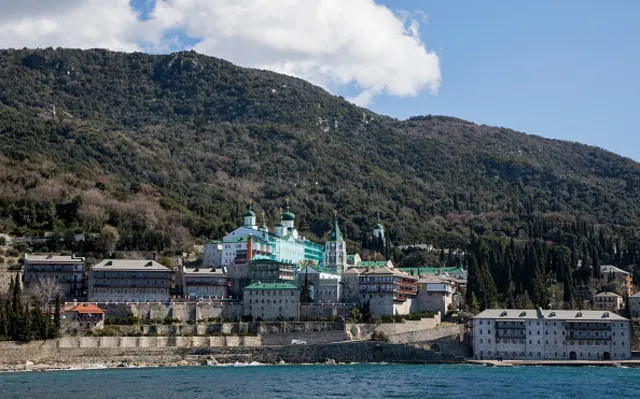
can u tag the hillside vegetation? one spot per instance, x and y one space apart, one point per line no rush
167 148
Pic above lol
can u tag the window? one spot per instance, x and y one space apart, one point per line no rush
480 332
481 341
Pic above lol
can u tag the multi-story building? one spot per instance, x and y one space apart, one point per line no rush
551 334
324 284
335 249
272 301
205 282
271 271
283 244
388 291
351 285
116 280
610 272
607 301
67 271
435 294
212 256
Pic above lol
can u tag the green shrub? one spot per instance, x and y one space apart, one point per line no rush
247 318
15 268
379 336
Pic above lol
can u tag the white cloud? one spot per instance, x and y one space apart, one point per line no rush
332 43
109 24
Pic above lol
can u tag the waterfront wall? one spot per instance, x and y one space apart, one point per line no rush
362 331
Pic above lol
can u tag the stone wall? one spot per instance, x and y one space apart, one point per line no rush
427 335
363 331
181 311
148 342
325 311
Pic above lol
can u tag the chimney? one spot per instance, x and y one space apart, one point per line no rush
250 249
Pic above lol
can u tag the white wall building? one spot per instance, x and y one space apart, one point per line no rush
551 335
324 284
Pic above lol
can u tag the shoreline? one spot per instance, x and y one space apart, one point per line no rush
138 362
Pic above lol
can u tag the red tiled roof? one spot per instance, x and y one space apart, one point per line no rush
87 308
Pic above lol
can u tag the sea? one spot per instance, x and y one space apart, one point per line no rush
326 381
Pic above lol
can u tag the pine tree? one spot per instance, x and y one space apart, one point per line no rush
56 317
473 304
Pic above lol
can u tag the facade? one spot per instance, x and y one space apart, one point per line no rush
634 305
434 295
387 291
115 280
205 282
353 260
551 335
335 249
87 316
271 271
212 256
351 285
282 244
610 272
607 301
272 301
324 284
68 271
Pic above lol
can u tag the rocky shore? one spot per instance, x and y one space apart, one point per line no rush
344 353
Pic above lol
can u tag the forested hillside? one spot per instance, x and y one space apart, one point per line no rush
164 149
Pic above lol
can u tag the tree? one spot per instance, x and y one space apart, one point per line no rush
56 318
45 290
474 307
306 290
108 239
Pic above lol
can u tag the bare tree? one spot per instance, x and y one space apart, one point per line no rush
45 290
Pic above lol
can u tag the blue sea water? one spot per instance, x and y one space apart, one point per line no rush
354 381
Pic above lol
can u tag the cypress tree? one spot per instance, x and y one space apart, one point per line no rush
56 317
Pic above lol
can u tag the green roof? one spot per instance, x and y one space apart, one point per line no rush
253 238
271 286
372 264
288 216
335 234
429 270
249 212
379 226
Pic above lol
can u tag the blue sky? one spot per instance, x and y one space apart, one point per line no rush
560 69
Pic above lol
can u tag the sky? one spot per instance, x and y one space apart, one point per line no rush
560 69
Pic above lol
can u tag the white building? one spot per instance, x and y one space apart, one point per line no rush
117 280
335 249
435 294
551 335
607 301
388 291
212 256
283 244
324 284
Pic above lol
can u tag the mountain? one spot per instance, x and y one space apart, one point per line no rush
168 147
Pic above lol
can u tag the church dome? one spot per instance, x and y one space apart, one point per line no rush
249 213
288 216
379 226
